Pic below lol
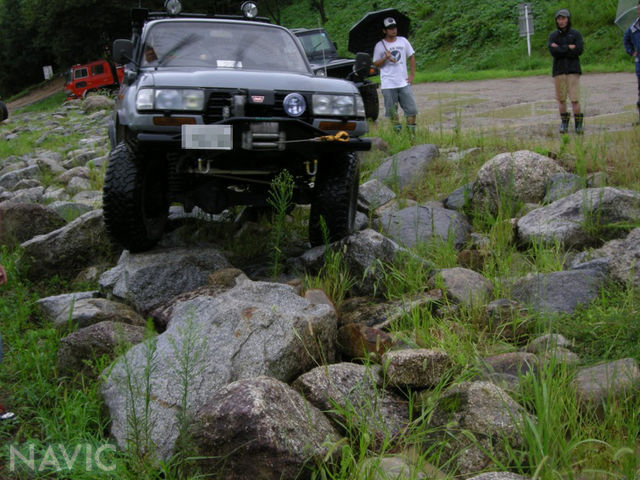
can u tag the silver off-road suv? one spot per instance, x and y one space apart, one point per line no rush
211 110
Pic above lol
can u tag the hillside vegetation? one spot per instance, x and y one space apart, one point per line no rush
459 36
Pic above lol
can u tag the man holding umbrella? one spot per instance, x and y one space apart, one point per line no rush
632 46
390 56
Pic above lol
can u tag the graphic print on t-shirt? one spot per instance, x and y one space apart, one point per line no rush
396 54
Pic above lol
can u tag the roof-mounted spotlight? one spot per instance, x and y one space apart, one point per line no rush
249 9
173 7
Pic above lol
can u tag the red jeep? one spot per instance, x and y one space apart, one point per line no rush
89 77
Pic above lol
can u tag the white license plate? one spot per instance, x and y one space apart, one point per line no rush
207 137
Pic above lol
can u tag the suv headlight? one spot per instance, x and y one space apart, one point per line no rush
170 99
339 105
360 106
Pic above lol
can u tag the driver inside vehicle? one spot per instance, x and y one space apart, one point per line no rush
149 54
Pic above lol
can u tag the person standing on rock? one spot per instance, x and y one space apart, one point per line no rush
632 46
566 46
390 56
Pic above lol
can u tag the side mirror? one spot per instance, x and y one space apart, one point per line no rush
363 62
361 67
122 51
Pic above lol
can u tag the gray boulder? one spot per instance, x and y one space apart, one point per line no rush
15 230
374 194
416 368
147 280
549 341
69 249
464 286
69 210
621 258
75 172
11 179
355 389
27 195
260 428
460 197
406 167
558 292
417 225
54 194
518 177
77 185
398 467
88 311
486 411
506 369
561 185
582 218
595 385
498 476
94 103
365 254
253 329
79 350
49 308
92 198
50 161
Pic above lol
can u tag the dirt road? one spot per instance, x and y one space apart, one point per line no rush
50 88
526 106
523 106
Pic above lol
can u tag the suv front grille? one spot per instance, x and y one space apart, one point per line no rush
219 101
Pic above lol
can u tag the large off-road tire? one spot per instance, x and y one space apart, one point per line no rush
335 198
4 113
371 101
135 198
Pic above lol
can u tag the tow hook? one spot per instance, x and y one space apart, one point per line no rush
307 166
200 167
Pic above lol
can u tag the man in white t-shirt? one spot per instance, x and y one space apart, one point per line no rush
390 56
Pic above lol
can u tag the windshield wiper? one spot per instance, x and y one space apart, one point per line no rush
188 40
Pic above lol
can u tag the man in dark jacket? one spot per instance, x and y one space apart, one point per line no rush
566 45
632 46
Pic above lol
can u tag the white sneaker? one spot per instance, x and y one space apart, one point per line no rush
7 416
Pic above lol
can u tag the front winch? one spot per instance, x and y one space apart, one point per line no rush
263 136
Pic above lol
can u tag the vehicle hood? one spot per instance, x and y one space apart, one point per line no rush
244 80
337 62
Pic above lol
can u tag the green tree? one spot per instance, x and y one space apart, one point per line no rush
20 62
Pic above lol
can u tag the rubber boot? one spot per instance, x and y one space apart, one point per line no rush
564 125
579 120
411 125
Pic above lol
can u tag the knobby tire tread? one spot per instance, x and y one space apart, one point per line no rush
335 198
123 215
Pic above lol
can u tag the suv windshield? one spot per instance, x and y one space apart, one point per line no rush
317 44
222 45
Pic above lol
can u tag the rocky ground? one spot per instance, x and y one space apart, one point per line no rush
250 348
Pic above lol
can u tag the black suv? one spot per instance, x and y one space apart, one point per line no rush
322 54
211 110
